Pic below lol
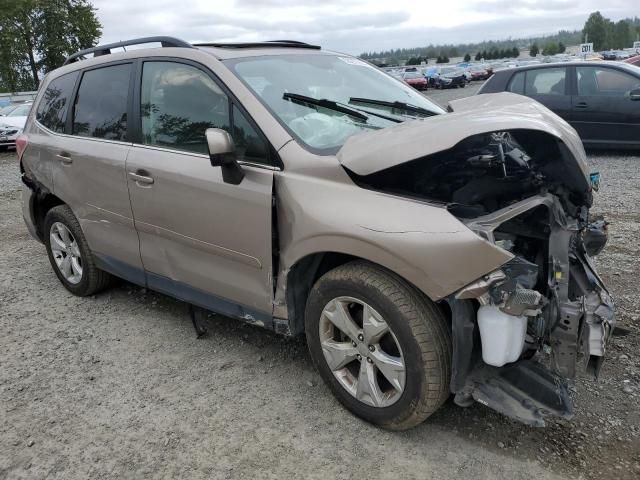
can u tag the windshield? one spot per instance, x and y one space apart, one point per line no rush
325 77
21 111
6 110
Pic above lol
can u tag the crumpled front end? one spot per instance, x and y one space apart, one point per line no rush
521 331
550 288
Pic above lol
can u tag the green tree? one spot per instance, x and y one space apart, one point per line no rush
551 48
37 35
561 47
534 50
467 57
595 30
622 37
515 53
414 61
478 57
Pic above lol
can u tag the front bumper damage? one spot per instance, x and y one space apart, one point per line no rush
569 314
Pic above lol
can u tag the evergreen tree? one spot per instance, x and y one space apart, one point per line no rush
595 31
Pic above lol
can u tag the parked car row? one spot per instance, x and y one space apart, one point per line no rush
12 120
439 76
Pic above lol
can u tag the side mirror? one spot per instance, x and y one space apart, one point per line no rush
222 153
634 94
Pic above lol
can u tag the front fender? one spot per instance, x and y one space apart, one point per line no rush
419 241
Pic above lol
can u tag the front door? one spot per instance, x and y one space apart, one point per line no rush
603 111
201 240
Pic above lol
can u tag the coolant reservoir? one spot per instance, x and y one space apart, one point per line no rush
502 335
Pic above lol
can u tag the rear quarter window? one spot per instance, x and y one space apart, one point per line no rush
53 107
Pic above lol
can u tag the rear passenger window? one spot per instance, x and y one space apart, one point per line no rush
517 83
52 109
179 102
546 81
101 105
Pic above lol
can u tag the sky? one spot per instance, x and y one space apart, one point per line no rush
350 26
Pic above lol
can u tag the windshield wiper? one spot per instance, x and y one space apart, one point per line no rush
406 107
324 103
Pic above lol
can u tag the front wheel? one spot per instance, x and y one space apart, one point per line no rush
380 345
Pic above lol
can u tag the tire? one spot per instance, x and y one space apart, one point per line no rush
420 330
91 279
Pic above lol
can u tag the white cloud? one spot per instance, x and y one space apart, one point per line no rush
351 26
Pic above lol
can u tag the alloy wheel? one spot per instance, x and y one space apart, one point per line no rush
362 351
66 252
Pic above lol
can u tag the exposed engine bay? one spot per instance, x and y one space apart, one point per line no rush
518 332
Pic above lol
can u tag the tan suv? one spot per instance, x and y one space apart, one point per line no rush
422 253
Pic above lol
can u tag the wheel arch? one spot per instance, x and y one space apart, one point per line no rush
306 271
42 202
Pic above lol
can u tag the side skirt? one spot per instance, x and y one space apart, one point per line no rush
184 292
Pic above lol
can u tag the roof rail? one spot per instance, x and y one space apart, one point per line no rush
265 44
100 50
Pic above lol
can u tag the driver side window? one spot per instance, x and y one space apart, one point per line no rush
178 103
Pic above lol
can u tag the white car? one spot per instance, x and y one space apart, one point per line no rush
12 123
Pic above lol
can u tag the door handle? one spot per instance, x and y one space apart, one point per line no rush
64 158
581 105
141 176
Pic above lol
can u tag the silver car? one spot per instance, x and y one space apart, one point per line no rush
422 253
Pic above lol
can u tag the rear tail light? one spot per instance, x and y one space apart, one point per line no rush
21 145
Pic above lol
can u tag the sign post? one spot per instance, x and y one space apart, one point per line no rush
586 49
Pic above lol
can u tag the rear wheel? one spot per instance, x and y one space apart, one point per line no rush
381 346
69 254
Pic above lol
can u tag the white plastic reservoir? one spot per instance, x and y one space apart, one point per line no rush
502 335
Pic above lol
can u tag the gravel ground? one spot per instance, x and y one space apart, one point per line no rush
118 386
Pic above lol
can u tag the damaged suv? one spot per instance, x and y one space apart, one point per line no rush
423 253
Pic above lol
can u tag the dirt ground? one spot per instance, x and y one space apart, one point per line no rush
118 385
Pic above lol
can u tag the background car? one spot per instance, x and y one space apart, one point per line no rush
478 72
601 100
635 60
448 77
12 123
416 80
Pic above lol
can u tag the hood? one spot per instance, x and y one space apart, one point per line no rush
378 150
17 122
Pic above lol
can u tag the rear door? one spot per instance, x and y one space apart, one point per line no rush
548 85
45 134
202 240
602 109
90 176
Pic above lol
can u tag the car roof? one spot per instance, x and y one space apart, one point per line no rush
227 52
574 63
172 47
